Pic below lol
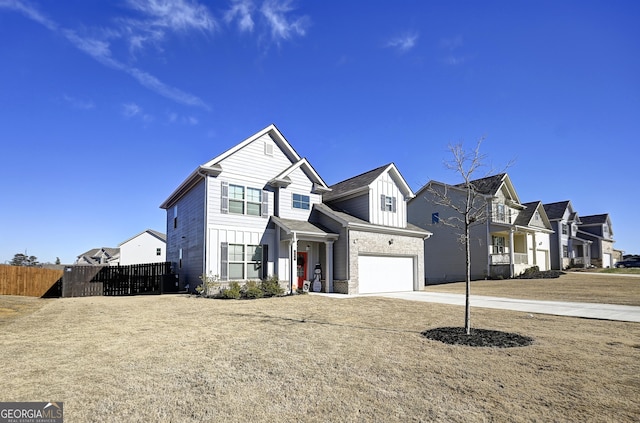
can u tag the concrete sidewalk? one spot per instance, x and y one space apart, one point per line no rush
587 310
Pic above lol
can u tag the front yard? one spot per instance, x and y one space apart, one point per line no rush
309 358
590 287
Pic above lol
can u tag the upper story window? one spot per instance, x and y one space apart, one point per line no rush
500 213
300 201
565 229
239 199
158 251
387 203
536 216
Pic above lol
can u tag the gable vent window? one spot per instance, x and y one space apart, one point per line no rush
158 251
387 203
268 149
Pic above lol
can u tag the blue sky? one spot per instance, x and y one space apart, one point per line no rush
106 106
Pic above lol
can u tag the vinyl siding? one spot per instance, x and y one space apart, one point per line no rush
385 185
189 235
300 184
143 249
357 206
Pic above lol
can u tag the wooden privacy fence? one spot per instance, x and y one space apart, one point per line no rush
135 279
28 281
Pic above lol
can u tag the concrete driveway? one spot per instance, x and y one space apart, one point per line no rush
587 310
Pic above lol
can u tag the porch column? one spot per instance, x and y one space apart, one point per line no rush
293 261
328 275
535 250
512 255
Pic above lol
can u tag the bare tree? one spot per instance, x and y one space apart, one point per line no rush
468 203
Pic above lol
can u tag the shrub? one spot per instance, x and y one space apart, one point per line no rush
231 292
210 285
251 290
271 287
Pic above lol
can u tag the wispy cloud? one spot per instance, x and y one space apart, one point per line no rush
174 118
79 103
160 17
283 27
404 42
100 49
132 110
241 10
451 46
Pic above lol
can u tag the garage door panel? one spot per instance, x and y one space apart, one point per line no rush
385 274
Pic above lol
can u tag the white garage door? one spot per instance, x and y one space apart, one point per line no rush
542 259
385 274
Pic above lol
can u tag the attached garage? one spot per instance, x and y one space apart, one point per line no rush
385 274
542 259
607 260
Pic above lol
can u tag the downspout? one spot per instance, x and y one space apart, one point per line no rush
204 222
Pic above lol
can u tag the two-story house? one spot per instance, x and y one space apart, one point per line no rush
146 247
257 211
567 248
506 238
597 229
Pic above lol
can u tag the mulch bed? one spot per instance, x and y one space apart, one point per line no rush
478 337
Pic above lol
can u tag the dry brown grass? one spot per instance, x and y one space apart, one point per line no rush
572 286
310 358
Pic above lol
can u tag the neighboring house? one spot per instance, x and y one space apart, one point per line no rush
567 248
512 238
146 247
597 229
99 257
257 211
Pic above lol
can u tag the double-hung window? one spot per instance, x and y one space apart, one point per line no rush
244 261
387 203
238 199
300 201
254 201
498 243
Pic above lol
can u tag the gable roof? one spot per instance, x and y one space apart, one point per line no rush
487 185
595 219
555 211
213 167
360 183
162 237
92 256
525 216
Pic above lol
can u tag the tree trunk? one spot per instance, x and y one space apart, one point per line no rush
467 305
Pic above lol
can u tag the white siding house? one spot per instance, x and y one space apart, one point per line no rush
148 246
257 209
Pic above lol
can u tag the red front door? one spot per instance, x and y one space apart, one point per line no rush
302 268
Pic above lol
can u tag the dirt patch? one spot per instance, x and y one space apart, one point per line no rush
477 338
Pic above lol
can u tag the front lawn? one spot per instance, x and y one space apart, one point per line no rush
310 358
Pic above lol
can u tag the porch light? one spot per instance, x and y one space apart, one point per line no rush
391 241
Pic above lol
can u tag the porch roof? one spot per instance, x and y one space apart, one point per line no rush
304 228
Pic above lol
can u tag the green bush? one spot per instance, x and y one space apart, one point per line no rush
271 287
251 290
231 292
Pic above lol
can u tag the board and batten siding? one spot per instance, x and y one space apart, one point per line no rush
385 185
217 235
188 235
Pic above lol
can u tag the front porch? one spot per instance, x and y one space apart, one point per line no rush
508 254
305 255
